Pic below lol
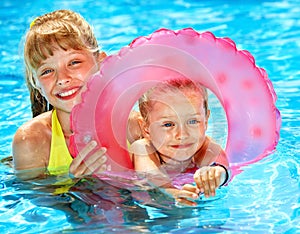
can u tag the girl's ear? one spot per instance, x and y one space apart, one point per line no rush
38 87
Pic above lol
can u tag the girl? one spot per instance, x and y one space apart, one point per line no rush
175 115
60 53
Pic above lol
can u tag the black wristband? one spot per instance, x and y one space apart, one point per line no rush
227 173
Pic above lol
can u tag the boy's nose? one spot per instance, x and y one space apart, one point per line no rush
182 132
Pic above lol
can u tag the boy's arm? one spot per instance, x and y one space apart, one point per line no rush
213 172
222 165
147 165
217 157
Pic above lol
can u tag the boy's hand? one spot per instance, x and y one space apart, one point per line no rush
208 179
186 195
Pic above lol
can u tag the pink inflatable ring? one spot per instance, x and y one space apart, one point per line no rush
243 89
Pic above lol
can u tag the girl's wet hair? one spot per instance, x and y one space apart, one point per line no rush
62 29
172 85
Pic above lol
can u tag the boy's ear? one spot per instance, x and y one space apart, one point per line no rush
101 56
145 129
208 114
207 117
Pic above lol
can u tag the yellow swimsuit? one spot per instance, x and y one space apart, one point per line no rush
60 158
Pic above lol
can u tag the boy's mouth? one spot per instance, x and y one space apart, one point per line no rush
182 146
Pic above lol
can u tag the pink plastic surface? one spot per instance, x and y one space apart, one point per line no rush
243 89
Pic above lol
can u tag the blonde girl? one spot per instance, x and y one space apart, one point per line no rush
60 53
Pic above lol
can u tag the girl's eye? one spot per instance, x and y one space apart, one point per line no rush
46 72
168 125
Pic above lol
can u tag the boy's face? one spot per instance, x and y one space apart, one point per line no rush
177 124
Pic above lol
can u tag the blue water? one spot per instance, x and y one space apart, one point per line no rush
265 198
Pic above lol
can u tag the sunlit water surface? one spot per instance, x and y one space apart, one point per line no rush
264 198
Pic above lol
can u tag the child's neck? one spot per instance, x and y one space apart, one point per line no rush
173 165
170 160
64 120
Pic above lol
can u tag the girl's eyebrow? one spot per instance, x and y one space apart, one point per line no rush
73 52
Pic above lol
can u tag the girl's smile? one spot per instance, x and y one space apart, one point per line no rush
68 94
62 76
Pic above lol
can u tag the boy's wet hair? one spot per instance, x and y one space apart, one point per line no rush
62 29
172 85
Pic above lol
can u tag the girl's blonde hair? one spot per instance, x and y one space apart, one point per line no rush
173 85
62 29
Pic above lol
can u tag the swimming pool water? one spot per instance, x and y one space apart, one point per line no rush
264 198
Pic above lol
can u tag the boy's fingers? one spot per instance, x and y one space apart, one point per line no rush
190 188
187 194
218 178
206 185
198 181
212 182
184 201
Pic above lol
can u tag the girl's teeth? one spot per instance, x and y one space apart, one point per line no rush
70 92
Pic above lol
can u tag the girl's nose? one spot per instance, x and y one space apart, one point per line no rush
63 77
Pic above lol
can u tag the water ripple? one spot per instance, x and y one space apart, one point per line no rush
263 198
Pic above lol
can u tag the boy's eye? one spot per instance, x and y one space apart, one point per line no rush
193 121
74 62
169 124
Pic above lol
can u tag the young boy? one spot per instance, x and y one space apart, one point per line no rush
174 121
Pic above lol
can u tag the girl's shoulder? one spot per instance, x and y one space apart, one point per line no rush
31 146
34 131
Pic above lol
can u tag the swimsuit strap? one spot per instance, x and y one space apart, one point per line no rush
60 158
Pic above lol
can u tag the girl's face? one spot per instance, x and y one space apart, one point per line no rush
61 77
177 124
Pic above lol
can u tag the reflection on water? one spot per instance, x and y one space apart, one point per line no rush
263 198
217 124
94 204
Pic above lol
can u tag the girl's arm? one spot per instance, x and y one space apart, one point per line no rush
31 151
87 163
31 147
